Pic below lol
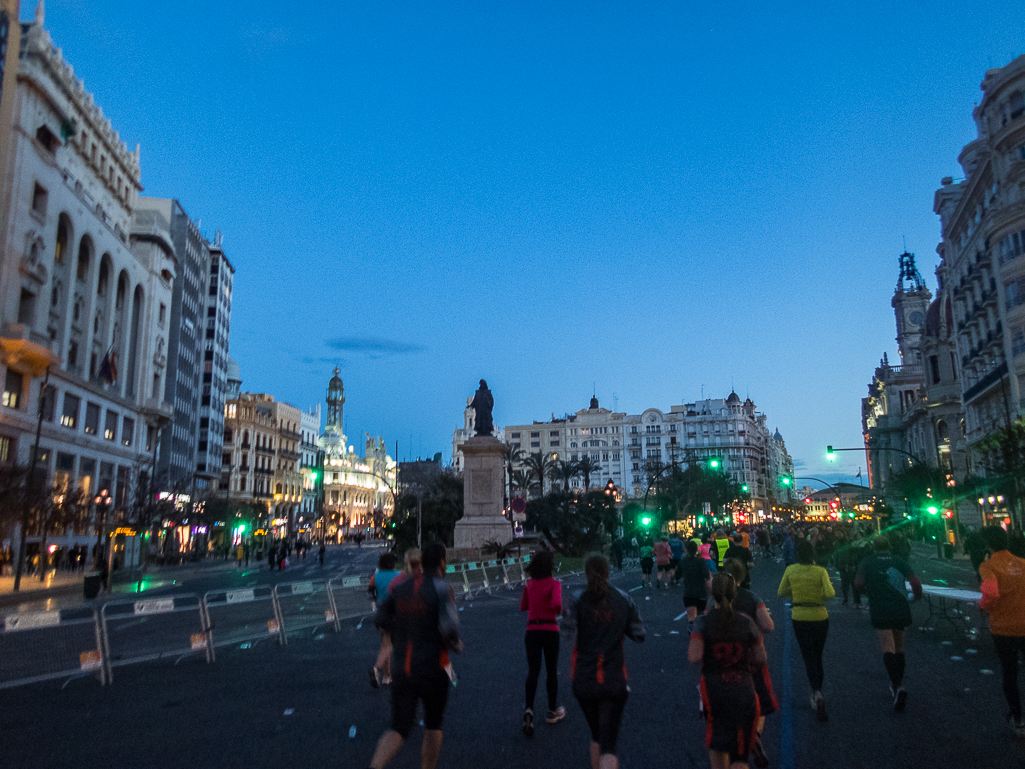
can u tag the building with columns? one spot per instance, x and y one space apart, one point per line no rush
358 491
86 282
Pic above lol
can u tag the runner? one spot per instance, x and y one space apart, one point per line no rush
420 616
380 671
742 553
728 645
1003 596
601 616
809 586
542 600
720 545
705 551
748 603
881 577
663 558
676 546
647 561
697 581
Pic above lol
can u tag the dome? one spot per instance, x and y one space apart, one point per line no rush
336 381
777 436
234 374
734 399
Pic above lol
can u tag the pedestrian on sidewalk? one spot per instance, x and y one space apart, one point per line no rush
881 576
420 617
727 645
542 600
1003 597
809 587
601 616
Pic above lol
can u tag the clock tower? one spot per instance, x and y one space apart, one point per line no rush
910 303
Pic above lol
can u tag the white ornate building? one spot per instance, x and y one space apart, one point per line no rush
358 491
622 444
84 284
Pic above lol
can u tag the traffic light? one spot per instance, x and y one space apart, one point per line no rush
786 480
313 475
948 513
241 528
714 463
834 505
932 510
701 519
830 454
807 500
744 488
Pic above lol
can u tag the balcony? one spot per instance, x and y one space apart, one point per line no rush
27 351
986 382
290 435
285 454
263 471
265 450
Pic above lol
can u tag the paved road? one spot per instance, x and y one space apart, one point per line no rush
268 706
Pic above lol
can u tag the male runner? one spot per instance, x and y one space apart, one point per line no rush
420 616
1003 596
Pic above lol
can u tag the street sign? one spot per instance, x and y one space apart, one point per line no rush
519 505
519 517
518 530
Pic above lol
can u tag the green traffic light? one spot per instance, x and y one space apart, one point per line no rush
645 521
932 510
830 454
744 488
785 480
241 528
713 463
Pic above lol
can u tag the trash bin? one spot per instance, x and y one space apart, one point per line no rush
91 585
948 550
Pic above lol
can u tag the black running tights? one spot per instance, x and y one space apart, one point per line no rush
546 642
811 638
1008 647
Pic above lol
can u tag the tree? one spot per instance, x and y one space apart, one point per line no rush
573 524
566 472
588 467
540 466
513 457
1003 456
520 480
442 506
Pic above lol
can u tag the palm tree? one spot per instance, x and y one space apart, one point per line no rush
566 472
513 457
520 479
540 466
588 467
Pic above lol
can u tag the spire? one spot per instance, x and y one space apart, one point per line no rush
40 13
135 155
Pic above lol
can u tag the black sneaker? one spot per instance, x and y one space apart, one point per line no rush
528 723
820 707
900 699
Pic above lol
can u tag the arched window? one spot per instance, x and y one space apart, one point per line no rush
101 285
84 256
62 241
941 431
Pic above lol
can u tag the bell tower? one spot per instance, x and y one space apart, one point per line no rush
335 401
910 304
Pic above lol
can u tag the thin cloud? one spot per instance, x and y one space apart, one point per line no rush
373 347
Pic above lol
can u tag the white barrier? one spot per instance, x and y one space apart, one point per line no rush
44 645
305 604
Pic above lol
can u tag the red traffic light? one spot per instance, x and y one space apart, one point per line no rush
948 513
833 505
807 500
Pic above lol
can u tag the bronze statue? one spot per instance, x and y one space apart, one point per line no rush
482 404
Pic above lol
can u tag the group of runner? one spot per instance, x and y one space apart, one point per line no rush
419 626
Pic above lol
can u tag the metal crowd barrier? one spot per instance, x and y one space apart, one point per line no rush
350 595
43 645
154 628
455 575
306 604
240 614
496 573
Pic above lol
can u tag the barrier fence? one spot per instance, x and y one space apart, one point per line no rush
87 641
42 645
154 628
307 604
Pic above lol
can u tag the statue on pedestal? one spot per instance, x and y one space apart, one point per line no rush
482 404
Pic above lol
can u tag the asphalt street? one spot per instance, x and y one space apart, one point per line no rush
262 705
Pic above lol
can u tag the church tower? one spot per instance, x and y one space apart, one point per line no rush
910 303
335 401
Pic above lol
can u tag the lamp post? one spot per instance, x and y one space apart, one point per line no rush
30 483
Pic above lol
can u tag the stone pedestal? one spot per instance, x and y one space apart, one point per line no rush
483 496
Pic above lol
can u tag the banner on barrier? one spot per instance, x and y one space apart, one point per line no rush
239 596
90 660
154 606
31 620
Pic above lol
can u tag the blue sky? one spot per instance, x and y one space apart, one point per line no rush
646 199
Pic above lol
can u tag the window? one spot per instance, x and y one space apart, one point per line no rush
1017 341
39 196
162 313
515 436
92 419
553 443
69 416
553 434
535 444
110 429
47 138
13 384
27 307
535 435
127 431
5 448
1014 293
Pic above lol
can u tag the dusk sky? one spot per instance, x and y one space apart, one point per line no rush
643 199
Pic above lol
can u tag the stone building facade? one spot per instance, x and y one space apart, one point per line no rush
85 286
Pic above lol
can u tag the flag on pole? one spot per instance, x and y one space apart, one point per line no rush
108 367
859 473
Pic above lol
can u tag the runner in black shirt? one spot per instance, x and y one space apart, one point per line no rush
696 581
727 644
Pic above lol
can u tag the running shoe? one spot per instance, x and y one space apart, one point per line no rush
758 753
528 722
900 699
820 707
554 716
1017 726
375 677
